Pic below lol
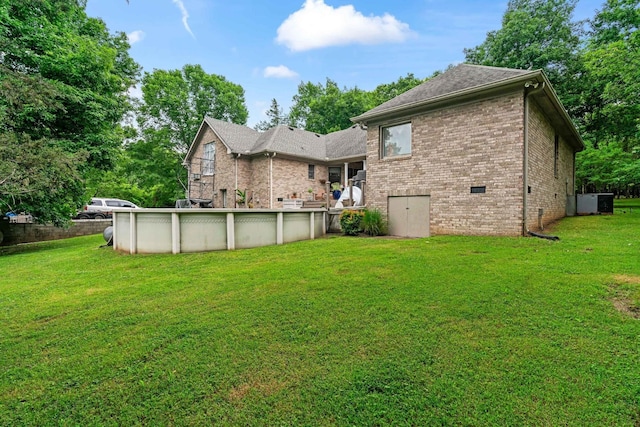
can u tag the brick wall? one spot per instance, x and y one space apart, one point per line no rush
548 190
204 187
259 184
289 176
453 149
211 187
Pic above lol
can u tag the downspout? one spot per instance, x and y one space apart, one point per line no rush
530 87
237 155
346 174
188 165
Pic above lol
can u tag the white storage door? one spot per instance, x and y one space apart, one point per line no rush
408 216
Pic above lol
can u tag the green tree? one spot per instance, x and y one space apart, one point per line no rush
63 83
276 117
174 102
327 108
612 62
537 34
384 92
146 173
608 168
611 114
39 178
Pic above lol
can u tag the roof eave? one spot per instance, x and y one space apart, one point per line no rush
564 115
190 151
352 158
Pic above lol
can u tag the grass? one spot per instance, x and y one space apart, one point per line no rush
338 331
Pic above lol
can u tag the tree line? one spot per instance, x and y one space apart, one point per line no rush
70 130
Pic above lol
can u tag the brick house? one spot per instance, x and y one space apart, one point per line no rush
281 163
476 150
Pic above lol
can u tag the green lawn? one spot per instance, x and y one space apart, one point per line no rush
337 331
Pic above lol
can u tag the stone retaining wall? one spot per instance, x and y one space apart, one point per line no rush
12 234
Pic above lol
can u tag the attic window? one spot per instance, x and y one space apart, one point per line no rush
396 140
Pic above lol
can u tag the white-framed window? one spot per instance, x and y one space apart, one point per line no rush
396 140
208 158
312 171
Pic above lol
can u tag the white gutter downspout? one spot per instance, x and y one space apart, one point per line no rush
346 174
536 87
188 181
237 155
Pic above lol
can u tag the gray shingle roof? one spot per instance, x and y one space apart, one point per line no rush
350 142
293 141
457 79
238 138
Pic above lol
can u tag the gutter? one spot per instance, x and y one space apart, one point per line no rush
530 87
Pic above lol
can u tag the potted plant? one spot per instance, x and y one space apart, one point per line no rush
335 190
242 197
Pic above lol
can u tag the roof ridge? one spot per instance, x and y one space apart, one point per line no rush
492 67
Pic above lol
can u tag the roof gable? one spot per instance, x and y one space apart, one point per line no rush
238 138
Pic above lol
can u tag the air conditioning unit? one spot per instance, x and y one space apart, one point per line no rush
195 176
595 203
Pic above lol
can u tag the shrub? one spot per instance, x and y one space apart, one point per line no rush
374 223
350 221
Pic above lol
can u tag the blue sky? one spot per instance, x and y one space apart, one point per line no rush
269 47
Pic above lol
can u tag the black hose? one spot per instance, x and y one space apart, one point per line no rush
543 236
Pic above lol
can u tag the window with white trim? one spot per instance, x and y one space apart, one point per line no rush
396 140
208 158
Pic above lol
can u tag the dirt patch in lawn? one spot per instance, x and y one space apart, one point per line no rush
262 388
625 294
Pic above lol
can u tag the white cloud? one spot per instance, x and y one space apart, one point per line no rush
318 25
279 72
135 36
185 16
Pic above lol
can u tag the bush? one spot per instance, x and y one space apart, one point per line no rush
350 221
374 223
